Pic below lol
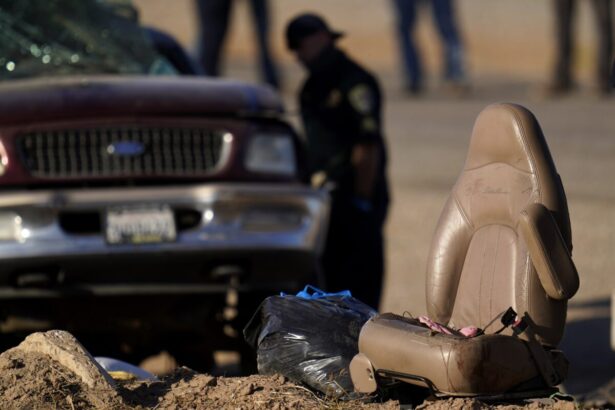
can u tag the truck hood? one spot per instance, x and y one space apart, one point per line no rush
60 98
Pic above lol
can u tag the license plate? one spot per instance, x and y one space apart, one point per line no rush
140 225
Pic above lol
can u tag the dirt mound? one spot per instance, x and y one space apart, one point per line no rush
31 380
44 373
471 404
34 380
52 370
186 389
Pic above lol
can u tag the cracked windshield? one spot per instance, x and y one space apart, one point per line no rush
63 37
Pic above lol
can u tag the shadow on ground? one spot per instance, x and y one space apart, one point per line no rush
587 345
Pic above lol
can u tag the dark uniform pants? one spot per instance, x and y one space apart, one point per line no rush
444 15
565 10
214 20
354 253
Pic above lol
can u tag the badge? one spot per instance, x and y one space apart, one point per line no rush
361 98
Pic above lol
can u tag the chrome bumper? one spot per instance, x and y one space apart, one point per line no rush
239 217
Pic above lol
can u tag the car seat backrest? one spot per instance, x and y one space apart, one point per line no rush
479 263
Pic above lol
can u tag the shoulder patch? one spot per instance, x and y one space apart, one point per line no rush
361 98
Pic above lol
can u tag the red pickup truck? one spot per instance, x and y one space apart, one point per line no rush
135 207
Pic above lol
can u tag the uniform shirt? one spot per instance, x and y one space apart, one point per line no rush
341 107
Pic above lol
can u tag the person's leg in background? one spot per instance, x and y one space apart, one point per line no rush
213 20
260 11
445 18
337 250
370 267
353 258
604 23
564 15
405 14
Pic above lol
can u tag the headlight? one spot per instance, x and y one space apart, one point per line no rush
271 153
4 159
10 227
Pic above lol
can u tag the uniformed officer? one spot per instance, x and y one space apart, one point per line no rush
341 112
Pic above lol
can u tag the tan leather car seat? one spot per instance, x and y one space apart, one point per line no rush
503 240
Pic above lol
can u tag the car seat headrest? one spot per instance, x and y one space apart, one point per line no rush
501 134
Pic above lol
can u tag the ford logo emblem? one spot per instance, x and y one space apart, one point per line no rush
126 148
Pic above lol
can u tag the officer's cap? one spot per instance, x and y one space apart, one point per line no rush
305 25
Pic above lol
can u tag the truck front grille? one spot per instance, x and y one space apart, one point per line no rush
108 152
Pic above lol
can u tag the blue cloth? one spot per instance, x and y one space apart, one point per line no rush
311 292
444 15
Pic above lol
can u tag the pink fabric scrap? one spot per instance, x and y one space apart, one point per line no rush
437 327
468 331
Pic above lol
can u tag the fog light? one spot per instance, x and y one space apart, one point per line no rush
271 220
10 227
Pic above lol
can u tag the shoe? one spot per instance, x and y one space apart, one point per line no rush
457 88
558 89
413 90
604 90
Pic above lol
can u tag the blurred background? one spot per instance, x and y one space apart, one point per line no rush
510 52
505 40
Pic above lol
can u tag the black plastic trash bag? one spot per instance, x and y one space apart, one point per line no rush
310 338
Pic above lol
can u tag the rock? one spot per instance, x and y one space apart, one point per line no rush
246 389
62 347
161 364
209 381
16 364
